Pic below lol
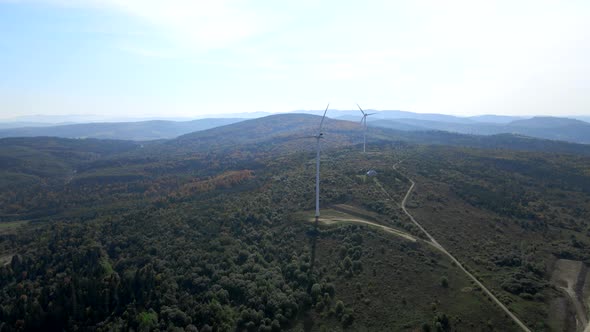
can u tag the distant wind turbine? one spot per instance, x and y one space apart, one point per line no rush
319 136
364 120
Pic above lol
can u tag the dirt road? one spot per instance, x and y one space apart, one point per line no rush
431 240
328 220
442 249
569 276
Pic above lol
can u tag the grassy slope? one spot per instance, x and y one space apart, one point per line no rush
483 238
399 287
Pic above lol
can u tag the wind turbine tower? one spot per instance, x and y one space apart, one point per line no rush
364 121
319 136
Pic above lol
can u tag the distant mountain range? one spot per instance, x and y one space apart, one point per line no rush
562 129
29 160
355 115
137 131
553 128
40 119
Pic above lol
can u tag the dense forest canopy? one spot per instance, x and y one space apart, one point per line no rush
212 231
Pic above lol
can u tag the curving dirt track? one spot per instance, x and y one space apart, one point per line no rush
329 220
442 249
432 241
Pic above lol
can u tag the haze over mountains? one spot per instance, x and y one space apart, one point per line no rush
279 134
138 131
553 128
561 129
173 166
123 208
231 202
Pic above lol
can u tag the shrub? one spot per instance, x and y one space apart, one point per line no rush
339 308
316 290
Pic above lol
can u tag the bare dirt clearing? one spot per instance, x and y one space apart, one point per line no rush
6 228
5 259
10 227
570 276
354 215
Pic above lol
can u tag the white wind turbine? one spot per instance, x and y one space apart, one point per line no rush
364 121
319 136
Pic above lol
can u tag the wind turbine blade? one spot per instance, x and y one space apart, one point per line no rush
362 119
323 117
360 109
371 114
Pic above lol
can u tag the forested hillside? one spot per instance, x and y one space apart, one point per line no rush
138 131
552 128
213 231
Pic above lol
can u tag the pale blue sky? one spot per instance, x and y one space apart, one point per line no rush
185 58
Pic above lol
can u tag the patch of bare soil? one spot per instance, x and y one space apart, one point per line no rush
570 277
340 217
5 259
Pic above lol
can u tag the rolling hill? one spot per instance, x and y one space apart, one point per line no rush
553 128
562 129
355 115
138 131
284 132
491 118
210 230
286 128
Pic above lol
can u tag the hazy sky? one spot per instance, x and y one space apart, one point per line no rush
190 57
